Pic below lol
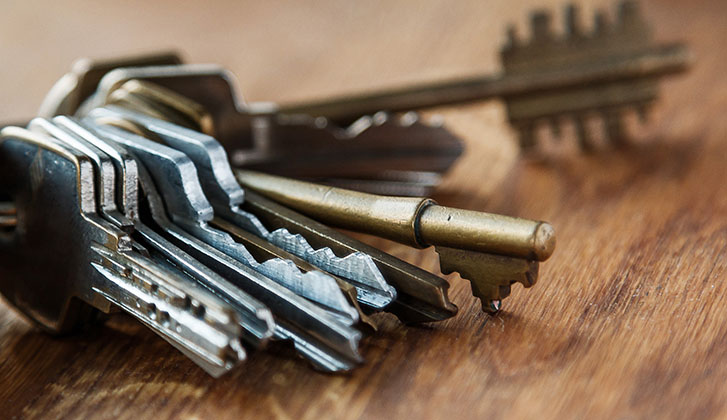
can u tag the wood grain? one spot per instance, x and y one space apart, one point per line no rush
627 321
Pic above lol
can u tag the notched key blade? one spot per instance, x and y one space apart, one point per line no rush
318 336
209 336
226 195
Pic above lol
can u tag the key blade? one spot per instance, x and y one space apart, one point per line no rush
421 296
490 276
193 321
225 194
327 294
317 335
613 68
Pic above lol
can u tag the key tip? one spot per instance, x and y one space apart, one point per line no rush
544 241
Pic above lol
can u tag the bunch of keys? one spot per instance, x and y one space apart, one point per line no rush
130 205
121 196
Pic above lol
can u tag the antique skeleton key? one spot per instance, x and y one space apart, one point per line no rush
492 251
606 72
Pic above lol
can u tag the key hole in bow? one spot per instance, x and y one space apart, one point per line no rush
8 216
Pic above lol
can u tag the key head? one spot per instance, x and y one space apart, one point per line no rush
44 259
72 89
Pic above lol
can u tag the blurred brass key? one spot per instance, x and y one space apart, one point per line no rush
492 251
555 75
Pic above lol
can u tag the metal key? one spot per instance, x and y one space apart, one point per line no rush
424 296
317 335
226 196
256 320
551 78
189 208
492 251
62 287
201 273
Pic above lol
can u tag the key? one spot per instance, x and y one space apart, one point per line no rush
380 152
492 251
62 288
316 334
226 196
257 321
426 298
551 78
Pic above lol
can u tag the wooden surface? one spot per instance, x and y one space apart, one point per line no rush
628 319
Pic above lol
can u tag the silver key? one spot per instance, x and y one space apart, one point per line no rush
319 336
257 320
58 286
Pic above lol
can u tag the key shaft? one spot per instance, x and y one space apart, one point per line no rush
417 222
650 63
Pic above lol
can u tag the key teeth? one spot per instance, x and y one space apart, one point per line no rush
357 266
629 15
315 286
573 22
540 26
629 19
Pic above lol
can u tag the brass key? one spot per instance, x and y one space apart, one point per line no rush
492 251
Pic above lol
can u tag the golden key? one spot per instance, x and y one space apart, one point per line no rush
491 251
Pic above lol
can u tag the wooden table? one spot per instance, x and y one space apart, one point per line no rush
627 320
